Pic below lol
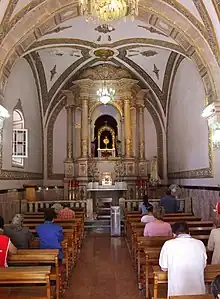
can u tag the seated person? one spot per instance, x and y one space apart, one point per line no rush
158 227
143 207
5 246
214 242
149 217
169 202
19 235
66 213
216 287
185 260
50 234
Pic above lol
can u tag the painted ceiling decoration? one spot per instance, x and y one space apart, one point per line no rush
59 44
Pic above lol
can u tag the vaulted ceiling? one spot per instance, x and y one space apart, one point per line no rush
57 42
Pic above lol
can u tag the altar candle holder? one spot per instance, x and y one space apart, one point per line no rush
69 189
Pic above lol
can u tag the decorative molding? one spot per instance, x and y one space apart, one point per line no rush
42 80
18 106
136 42
20 175
211 38
167 75
159 130
30 61
216 4
50 127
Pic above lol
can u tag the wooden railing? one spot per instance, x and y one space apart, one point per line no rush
87 205
27 206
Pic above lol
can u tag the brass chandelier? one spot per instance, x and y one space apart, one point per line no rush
106 11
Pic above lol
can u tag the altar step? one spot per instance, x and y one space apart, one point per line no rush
100 225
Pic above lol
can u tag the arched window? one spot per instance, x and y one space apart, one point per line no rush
19 140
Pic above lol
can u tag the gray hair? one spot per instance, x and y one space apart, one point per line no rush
57 207
159 212
17 220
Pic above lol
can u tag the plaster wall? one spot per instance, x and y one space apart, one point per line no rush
59 142
22 87
187 130
150 136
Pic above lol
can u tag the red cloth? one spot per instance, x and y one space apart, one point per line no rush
4 246
218 208
66 213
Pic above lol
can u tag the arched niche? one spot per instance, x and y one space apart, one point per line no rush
108 109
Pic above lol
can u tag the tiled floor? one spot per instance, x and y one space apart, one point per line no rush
104 271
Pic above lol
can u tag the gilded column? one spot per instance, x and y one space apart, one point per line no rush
138 131
84 144
127 128
141 128
70 122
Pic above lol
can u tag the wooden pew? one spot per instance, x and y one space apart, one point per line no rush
146 243
70 236
39 256
160 277
207 296
26 276
77 224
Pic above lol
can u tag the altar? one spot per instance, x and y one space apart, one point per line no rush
103 196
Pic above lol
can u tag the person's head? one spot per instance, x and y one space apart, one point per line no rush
2 222
65 205
180 228
18 220
145 199
216 287
217 208
49 215
168 192
217 221
57 207
159 212
150 209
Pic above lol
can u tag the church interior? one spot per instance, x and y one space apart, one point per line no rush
101 103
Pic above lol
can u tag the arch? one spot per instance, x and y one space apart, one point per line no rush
173 17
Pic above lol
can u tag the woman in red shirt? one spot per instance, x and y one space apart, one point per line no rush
5 246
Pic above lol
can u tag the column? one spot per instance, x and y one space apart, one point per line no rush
127 128
70 113
70 122
84 144
138 131
141 132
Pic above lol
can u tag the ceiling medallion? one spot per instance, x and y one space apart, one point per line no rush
104 54
106 11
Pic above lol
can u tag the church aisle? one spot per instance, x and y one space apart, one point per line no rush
103 271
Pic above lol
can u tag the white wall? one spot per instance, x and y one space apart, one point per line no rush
187 130
150 136
59 142
21 85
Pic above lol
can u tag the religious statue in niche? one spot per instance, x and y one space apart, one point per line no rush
118 147
93 146
154 177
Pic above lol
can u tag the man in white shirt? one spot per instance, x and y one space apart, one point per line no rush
185 259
